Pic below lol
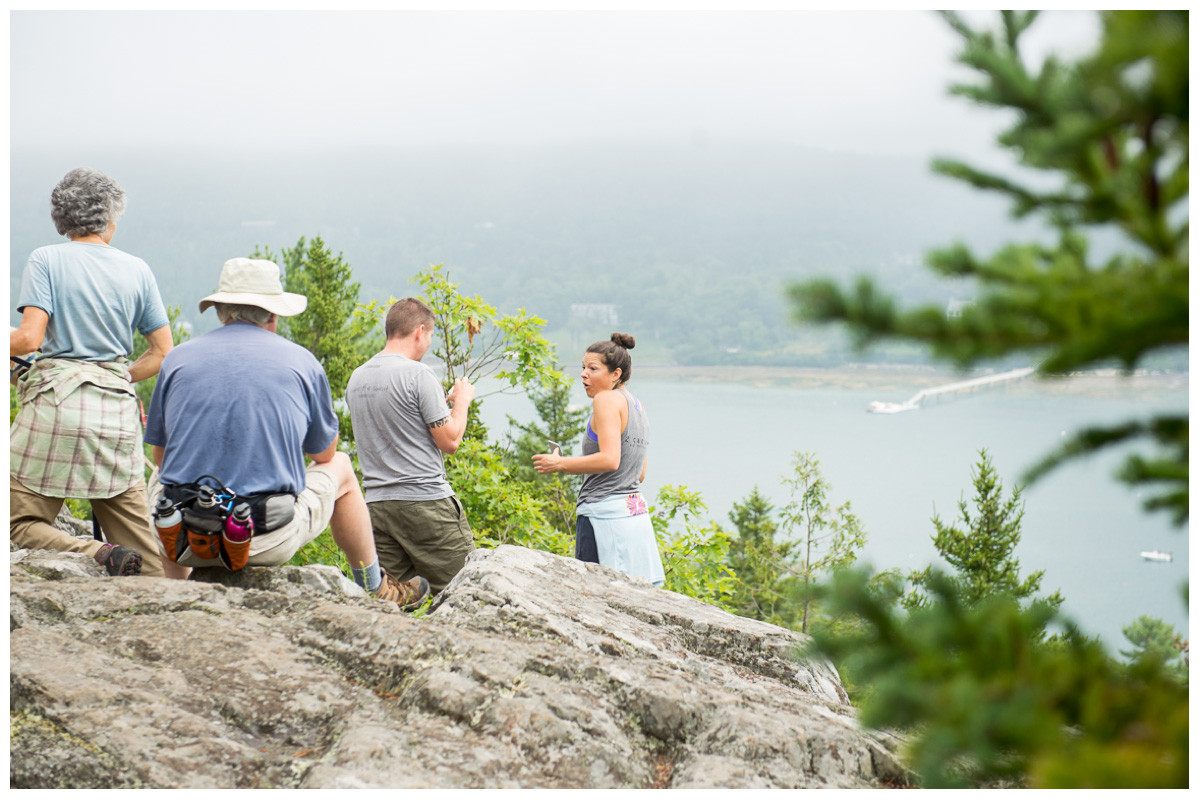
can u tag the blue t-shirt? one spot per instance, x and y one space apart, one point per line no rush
243 404
96 295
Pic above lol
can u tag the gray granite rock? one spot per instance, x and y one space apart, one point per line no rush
51 565
531 671
321 577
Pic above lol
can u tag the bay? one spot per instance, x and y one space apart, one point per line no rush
724 432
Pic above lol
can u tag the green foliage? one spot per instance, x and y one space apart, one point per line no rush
967 673
695 559
342 333
80 509
1112 131
145 389
324 328
761 563
1154 639
559 423
322 550
826 538
327 327
511 347
982 700
981 552
501 510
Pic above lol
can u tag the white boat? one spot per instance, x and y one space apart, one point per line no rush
1156 555
881 407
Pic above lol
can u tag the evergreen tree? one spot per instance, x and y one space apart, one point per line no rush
980 696
559 423
325 326
982 701
981 552
1152 638
760 561
1112 131
328 328
825 538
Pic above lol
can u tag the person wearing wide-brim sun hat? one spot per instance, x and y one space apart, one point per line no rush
238 409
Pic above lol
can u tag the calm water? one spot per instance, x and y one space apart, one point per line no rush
1082 527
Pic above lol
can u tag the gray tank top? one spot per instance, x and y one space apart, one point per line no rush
635 442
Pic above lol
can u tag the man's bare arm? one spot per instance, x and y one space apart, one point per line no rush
326 455
447 432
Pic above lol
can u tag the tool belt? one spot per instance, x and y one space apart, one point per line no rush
203 527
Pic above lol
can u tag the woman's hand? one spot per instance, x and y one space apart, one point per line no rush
545 463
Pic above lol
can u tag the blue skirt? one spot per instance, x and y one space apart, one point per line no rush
617 533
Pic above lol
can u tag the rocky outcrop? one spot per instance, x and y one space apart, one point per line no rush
530 670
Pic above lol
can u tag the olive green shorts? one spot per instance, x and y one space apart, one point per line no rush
430 538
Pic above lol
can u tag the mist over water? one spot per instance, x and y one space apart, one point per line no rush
1081 526
684 179
539 228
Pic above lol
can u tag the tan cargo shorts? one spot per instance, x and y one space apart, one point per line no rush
313 510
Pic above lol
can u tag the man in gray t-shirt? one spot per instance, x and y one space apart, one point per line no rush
402 425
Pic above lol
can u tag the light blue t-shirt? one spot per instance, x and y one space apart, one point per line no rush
96 295
243 404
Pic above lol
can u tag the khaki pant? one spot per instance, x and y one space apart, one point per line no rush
430 538
125 520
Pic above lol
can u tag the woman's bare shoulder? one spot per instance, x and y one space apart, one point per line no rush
607 401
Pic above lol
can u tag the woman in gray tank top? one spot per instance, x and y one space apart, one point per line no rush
612 526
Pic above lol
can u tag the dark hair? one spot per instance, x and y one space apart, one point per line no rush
405 315
615 354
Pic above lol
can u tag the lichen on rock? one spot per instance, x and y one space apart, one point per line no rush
529 671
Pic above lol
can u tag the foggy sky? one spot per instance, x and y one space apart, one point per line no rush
867 82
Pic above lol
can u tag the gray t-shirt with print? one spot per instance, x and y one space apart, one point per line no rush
393 400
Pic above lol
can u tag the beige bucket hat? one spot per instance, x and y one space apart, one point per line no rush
255 282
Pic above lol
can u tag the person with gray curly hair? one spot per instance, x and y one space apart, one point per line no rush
78 430
86 202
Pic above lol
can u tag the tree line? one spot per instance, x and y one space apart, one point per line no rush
989 682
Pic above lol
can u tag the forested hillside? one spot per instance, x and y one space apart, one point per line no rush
692 245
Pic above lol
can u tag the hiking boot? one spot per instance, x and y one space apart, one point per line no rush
119 560
408 595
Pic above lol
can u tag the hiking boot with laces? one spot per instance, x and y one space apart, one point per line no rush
119 560
408 595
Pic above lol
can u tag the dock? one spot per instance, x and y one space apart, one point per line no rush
959 387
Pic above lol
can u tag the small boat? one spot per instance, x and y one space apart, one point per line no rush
880 407
1156 555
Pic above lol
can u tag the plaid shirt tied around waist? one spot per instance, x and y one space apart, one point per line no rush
78 433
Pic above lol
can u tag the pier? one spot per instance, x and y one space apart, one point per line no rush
959 387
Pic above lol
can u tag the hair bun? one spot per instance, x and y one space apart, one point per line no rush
624 339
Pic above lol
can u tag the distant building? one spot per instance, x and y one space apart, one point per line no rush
604 313
955 308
